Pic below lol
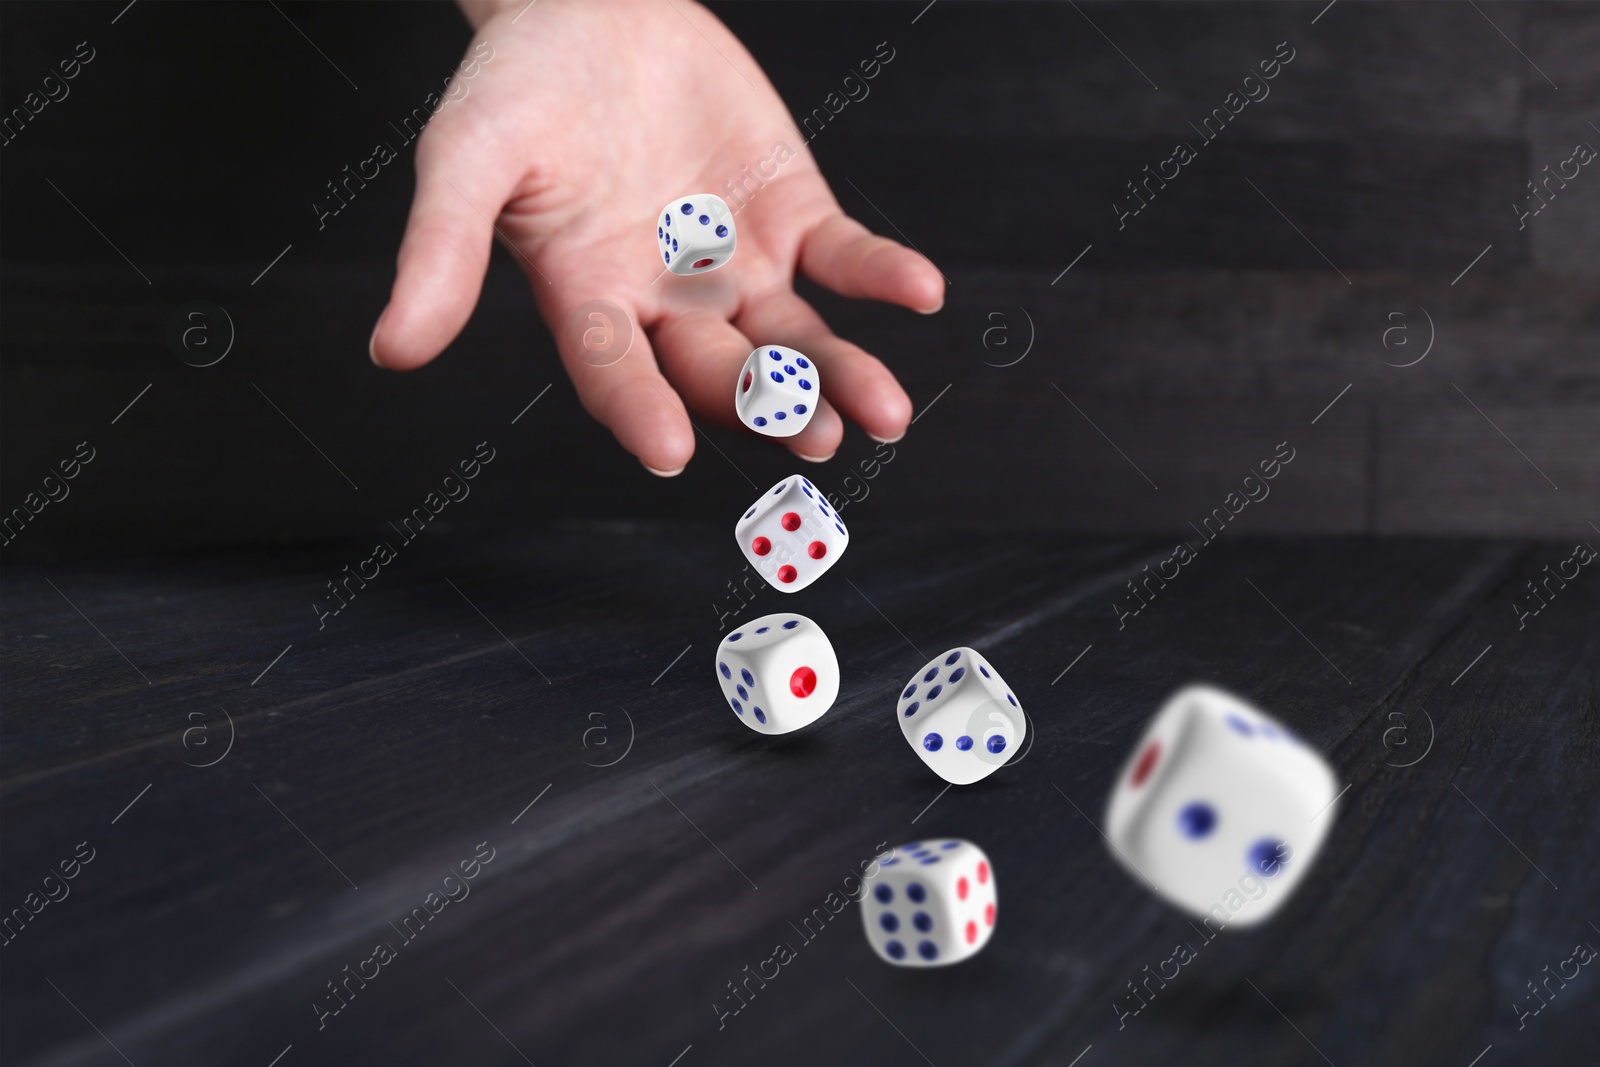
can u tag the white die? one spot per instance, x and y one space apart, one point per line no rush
1220 807
779 673
959 715
777 391
931 903
695 234
791 535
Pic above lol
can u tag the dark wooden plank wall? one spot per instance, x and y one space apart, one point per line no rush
1196 339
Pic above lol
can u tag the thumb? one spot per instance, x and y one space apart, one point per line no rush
461 186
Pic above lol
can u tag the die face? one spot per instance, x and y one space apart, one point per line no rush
778 673
777 391
932 903
695 234
791 536
959 716
1221 807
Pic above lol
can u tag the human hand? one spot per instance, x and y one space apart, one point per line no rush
590 116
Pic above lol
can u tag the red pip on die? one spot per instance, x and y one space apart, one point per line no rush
791 535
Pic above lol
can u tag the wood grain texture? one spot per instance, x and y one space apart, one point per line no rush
606 925
170 604
1396 141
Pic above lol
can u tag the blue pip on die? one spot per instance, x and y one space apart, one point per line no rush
930 903
961 717
777 392
790 535
778 673
695 234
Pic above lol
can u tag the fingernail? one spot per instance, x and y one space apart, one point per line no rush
886 440
661 474
372 342
933 310
817 459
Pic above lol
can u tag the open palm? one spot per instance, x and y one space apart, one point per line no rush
589 117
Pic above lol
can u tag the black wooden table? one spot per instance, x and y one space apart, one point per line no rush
539 706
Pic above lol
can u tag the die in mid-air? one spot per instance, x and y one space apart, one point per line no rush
1221 808
779 673
959 715
790 535
695 234
931 903
777 392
